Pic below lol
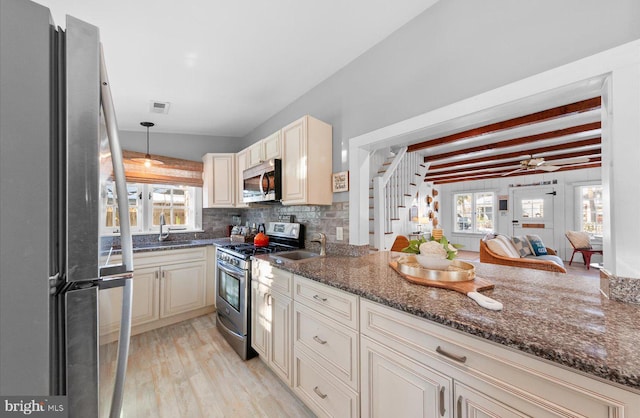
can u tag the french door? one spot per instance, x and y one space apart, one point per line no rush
533 213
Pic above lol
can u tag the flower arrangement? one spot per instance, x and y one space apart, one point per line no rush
441 248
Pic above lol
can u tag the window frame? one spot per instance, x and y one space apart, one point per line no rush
474 228
145 211
579 223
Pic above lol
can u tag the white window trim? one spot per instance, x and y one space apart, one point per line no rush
146 211
473 230
577 197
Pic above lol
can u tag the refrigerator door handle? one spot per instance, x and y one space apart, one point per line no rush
126 240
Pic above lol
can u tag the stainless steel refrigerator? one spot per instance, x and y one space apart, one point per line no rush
58 142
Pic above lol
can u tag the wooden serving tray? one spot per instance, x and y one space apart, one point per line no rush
476 285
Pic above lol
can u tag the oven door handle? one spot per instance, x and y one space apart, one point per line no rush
232 271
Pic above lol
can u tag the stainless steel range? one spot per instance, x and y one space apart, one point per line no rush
233 272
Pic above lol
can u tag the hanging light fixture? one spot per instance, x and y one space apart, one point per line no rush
147 160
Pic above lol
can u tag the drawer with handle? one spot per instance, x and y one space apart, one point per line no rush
336 304
325 395
333 345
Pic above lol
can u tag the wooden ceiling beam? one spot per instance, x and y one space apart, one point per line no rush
517 141
591 153
498 174
532 151
549 114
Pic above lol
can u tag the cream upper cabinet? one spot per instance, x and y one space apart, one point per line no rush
307 162
241 165
265 149
219 180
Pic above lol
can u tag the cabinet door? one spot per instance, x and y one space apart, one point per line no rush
394 385
256 155
223 176
145 301
219 180
260 318
183 288
473 404
271 146
241 165
294 167
280 343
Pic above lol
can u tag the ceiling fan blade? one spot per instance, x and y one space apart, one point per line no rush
514 171
545 167
574 160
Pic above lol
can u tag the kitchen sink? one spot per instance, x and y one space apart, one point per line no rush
297 256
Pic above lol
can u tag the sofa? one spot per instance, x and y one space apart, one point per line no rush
548 262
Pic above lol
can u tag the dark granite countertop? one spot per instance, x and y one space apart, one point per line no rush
172 245
557 317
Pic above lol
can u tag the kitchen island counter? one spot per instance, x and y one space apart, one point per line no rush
558 317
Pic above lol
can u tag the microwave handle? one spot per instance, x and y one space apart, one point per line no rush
260 184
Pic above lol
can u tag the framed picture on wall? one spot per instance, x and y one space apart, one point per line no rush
341 181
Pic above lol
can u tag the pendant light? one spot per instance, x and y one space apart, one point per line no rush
147 160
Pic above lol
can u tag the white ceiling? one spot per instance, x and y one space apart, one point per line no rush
227 66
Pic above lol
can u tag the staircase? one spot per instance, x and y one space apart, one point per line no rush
393 188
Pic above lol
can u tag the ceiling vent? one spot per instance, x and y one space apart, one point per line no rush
159 107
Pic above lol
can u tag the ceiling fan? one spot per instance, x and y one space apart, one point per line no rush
534 164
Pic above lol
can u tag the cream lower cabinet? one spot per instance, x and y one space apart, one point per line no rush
145 302
182 287
271 318
326 354
413 367
166 284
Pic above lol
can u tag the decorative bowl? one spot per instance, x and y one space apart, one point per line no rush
433 262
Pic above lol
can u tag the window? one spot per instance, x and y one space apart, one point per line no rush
110 215
176 204
590 209
474 212
147 201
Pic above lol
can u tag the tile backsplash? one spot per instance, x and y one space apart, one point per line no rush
315 218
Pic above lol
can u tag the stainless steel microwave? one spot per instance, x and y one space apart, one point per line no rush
263 183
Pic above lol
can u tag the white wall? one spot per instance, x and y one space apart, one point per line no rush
454 50
188 147
565 212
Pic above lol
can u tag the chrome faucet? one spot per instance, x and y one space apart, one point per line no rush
162 236
323 243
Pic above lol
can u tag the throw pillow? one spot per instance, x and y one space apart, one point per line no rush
511 249
522 245
497 247
537 245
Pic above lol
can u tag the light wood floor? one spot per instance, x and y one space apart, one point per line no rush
188 370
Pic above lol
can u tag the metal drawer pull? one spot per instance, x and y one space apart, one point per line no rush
319 340
455 357
459 406
316 297
442 408
320 394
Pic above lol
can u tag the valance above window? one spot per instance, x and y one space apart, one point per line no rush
174 171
